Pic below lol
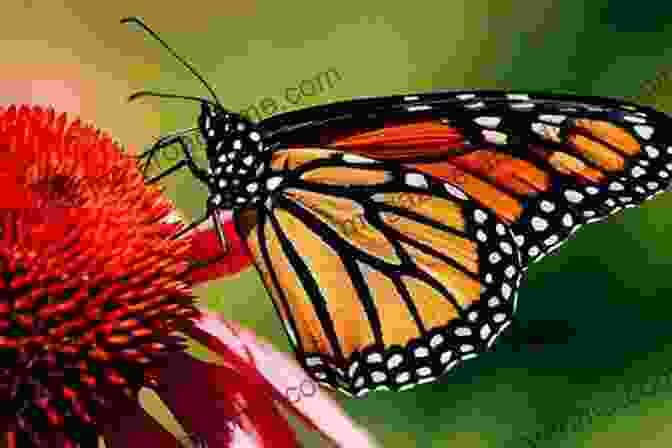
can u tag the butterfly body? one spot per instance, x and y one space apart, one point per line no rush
236 158
392 233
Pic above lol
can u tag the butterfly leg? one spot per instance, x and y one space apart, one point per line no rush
156 147
190 227
188 160
217 223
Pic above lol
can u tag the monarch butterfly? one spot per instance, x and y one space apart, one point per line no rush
392 233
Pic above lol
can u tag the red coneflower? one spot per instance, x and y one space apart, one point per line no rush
96 300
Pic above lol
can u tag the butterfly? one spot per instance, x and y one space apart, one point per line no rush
392 233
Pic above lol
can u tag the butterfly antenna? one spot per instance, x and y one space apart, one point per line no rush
140 94
139 22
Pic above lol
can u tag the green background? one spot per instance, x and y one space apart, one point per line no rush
594 320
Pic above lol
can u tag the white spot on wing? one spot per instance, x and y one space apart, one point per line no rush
273 182
374 358
416 180
573 196
521 105
555 119
510 271
567 220
616 186
488 122
547 206
354 158
518 96
644 131
418 107
551 240
477 105
480 216
394 361
651 151
539 224
634 119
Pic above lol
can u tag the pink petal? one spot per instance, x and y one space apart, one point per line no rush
317 410
131 425
215 402
19 86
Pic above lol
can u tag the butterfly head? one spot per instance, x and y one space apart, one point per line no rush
234 145
236 159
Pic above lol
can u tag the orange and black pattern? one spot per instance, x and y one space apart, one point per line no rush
392 233
544 164
384 277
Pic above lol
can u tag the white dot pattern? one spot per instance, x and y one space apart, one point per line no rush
504 251
430 356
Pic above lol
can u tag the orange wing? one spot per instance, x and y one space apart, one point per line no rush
574 171
383 276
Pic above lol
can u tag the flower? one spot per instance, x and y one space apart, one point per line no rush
300 395
96 305
207 251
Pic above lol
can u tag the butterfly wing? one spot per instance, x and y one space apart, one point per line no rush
384 277
545 164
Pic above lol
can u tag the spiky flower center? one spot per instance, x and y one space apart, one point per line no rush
91 288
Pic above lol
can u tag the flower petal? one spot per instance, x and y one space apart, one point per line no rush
211 401
132 426
64 92
206 249
316 408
